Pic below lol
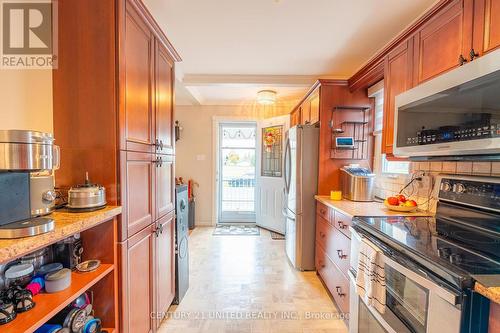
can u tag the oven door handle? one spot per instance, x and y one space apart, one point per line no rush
413 271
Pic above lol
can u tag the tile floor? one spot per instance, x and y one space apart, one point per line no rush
248 279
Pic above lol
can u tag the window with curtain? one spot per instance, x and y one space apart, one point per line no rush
380 163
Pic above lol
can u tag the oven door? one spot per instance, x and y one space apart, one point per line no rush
414 302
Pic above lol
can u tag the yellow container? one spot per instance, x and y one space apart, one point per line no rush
336 195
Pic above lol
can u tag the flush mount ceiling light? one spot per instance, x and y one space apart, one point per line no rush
266 97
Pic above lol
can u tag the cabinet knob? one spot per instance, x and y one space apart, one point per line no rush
322 234
473 54
157 231
461 60
322 211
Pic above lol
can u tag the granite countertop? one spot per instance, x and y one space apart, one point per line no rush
488 286
66 224
354 208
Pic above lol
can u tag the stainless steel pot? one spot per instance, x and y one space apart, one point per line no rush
28 151
86 195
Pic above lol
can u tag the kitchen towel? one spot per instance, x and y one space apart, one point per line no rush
370 278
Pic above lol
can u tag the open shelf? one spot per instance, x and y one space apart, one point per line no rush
353 123
353 108
47 305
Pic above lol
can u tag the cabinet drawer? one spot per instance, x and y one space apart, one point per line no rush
336 245
323 211
340 250
342 222
335 281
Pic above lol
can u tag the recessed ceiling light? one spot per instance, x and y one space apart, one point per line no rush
266 97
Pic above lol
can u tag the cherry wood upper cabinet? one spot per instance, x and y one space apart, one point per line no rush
486 26
138 193
137 279
164 101
165 185
398 78
314 107
295 117
137 109
165 264
442 42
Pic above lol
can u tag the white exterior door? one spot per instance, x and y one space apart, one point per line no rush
270 173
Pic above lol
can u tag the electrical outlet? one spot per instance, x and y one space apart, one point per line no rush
425 183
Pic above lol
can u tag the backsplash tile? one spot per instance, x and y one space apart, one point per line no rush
426 197
481 168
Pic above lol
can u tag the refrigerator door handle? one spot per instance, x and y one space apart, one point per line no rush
287 166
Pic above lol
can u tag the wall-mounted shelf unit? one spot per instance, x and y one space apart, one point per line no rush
356 126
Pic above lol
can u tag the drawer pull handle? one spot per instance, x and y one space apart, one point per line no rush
339 292
341 225
341 254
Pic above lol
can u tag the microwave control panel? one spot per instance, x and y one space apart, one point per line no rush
453 134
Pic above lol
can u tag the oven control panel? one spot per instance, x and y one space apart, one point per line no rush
476 193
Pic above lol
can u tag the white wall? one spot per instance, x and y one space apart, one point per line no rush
197 141
26 99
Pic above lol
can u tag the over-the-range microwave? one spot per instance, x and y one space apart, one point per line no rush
453 116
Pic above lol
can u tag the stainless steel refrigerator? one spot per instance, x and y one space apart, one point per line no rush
301 183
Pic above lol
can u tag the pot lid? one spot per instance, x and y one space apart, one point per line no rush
22 136
19 270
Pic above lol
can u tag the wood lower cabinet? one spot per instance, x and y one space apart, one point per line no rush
486 26
333 249
136 282
138 172
398 78
335 281
165 264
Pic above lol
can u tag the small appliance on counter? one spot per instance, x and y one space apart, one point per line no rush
86 197
357 183
23 153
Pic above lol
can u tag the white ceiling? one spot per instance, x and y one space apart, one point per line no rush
286 38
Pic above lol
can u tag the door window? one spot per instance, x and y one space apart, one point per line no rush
272 151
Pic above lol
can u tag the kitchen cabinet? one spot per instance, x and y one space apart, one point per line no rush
314 108
398 78
165 136
121 130
333 246
137 278
295 118
138 194
444 42
137 128
165 264
165 185
486 26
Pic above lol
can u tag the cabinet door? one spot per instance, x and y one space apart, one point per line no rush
137 110
443 39
164 101
165 185
314 108
397 79
138 195
295 118
306 112
165 264
137 272
486 25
